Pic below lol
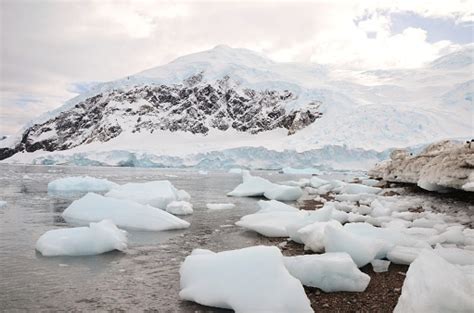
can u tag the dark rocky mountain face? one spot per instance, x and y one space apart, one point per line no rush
193 106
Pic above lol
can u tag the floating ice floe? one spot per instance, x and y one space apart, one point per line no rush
246 280
81 183
96 239
434 285
271 224
155 193
124 213
179 208
329 272
220 206
254 186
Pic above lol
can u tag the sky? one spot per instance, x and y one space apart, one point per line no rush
52 50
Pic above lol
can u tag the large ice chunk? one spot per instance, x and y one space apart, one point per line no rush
246 280
124 213
283 193
330 272
96 239
254 186
155 193
404 255
455 255
434 285
275 206
312 235
361 250
179 208
81 183
272 224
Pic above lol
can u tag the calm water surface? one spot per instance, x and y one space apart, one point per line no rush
145 277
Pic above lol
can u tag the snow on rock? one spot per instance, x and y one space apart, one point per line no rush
329 272
96 239
362 250
247 280
81 183
155 193
271 224
380 266
179 208
124 213
254 186
434 285
439 166
220 206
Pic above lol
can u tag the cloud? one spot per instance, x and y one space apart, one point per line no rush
50 48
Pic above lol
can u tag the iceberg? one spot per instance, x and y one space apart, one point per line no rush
271 224
179 208
283 193
361 250
434 285
329 272
254 186
81 183
313 235
380 266
96 239
124 213
247 280
275 206
155 193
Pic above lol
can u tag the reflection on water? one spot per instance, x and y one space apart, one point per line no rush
144 277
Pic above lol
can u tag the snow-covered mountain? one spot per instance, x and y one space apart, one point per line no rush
229 98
